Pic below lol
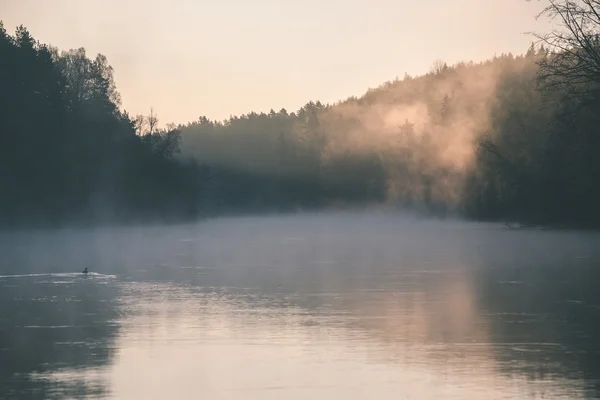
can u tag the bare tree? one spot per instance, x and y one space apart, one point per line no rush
140 124
573 64
438 67
152 121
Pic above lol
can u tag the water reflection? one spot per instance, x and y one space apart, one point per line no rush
233 344
53 325
551 310
324 307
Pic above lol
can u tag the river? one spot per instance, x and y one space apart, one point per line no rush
316 306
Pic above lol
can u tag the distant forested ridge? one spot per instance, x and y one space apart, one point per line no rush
513 138
484 140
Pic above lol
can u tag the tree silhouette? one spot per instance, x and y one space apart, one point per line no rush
510 138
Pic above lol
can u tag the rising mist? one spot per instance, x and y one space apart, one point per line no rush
409 142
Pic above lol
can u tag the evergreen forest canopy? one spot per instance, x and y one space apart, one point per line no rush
513 138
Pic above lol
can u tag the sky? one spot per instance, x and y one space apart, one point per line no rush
217 58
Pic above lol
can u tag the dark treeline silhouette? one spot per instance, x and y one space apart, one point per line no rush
512 138
67 153
539 161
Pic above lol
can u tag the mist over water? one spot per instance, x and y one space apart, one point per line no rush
346 305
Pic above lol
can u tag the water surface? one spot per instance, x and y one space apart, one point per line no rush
352 306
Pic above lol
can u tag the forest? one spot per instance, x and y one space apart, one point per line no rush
513 138
68 154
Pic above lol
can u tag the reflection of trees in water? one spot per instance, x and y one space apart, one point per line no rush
532 330
433 315
430 293
51 327
544 320
402 293
530 323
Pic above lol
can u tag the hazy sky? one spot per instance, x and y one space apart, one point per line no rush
188 58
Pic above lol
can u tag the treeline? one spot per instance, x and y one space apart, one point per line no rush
405 144
447 141
538 160
69 154
277 161
513 138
